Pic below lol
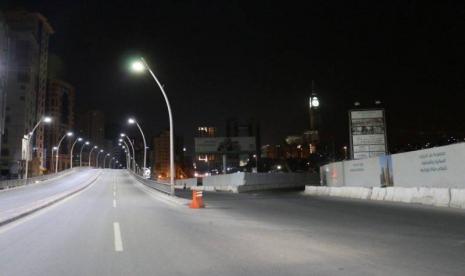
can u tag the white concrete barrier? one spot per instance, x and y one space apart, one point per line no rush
247 182
350 192
378 193
187 182
457 199
389 194
441 197
403 194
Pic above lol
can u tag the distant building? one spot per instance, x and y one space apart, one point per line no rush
161 149
93 125
206 132
60 103
161 157
26 88
271 151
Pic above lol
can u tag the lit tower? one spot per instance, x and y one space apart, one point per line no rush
312 136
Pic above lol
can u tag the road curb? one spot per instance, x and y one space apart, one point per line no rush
47 204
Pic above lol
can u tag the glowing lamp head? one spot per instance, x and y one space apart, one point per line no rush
69 133
122 134
121 140
131 121
55 148
87 143
47 119
79 139
95 147
108 154
138 66
101 150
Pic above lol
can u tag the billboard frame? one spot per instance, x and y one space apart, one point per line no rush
383 111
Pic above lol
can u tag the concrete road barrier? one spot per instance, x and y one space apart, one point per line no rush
457 199
378 193
441 197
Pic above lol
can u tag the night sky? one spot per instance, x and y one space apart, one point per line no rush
257 59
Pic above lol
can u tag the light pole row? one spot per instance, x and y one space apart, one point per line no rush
140 66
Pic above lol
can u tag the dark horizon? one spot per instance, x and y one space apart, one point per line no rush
257 60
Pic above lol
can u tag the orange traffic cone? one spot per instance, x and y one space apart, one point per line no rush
197 200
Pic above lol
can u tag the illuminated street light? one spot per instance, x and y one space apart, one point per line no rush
105 159
128 153
79 139
133 151
90 153
67 134
133 121
139 66
28 137
80 154
96 159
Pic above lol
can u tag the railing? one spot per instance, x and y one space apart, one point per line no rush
159 186
12 183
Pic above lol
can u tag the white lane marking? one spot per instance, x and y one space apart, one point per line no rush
114 203
118 240
114 194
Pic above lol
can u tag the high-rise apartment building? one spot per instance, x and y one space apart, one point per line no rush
26 89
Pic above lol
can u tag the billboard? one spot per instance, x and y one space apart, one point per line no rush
225 145
367 133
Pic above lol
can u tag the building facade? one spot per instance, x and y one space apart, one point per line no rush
26 89
60 103
161 157
4 57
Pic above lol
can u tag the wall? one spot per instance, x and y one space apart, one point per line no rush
440 167
244 182
332 174
433 176
187 182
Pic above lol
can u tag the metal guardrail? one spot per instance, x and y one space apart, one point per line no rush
162 187
12 183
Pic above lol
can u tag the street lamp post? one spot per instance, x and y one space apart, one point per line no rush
133 152
51 162
96 159
105 159
28 136
79 139
133 121
90 153
140 66
128 162
80 154
67 134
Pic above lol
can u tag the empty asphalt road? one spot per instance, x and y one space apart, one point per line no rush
119 227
